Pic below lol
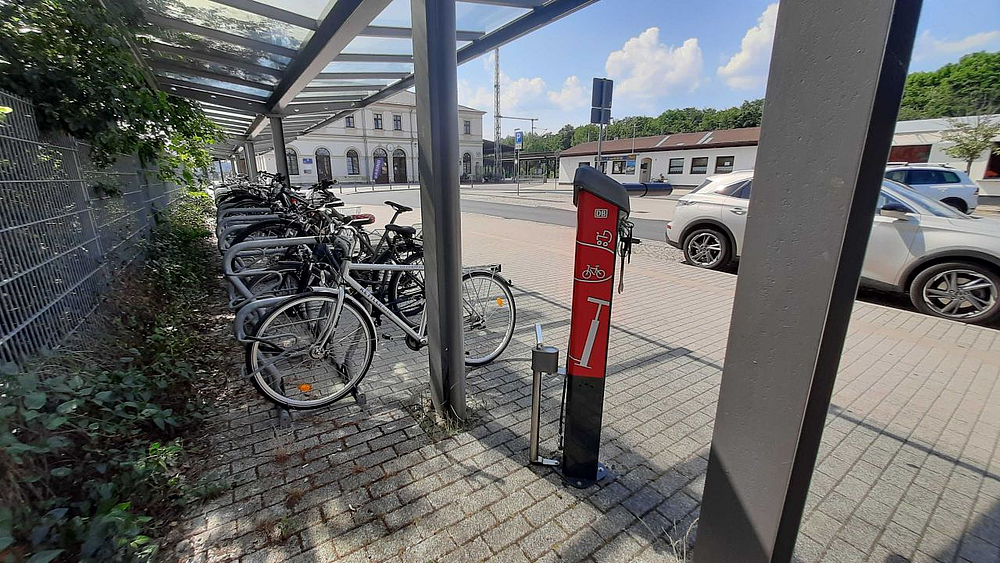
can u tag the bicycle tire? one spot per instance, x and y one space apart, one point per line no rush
472 320
268 389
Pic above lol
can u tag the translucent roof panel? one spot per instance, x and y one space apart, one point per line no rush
221 69
314 9
387 45
368 67
484 17
231 20
396 14
182 40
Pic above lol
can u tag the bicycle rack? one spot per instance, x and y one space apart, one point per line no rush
544 360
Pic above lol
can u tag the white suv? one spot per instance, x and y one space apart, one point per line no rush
942 183
948 262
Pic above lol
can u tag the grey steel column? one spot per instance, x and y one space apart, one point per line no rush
278 140
836 78
435 67
251 156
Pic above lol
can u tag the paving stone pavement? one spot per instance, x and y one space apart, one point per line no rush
909 468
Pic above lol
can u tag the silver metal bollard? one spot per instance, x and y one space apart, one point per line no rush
544 359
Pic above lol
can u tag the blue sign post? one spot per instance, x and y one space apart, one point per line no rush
518 139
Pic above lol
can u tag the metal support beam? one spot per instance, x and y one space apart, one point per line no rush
529 4
278 140
271 12
361 75
373 58
251 156
317 107
218 99
178 68
167 83
436 70
214 56
340 26
836 79
407 33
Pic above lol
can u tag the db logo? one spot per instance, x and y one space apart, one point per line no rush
600 213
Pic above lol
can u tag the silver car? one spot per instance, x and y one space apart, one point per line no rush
948 262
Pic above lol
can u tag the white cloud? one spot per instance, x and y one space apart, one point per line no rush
929 46
515 94
572 94
646 69
747 70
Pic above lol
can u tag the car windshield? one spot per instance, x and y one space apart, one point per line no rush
919 202
701 186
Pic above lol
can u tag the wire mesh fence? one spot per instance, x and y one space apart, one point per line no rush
67 227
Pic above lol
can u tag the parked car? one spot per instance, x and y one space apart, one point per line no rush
939 182
948 262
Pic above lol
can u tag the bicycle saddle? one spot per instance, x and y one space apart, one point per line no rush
399 208
403 230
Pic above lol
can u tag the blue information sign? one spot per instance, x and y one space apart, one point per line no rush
518 140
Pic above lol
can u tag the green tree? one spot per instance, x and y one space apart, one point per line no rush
970 140
969 87
73 59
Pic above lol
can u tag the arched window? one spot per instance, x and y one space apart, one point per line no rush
467 163
293 161
323 168
353 163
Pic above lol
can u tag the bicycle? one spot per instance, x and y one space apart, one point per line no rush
312 349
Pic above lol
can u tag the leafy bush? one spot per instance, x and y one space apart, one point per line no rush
91 445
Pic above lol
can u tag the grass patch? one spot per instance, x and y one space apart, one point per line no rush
94 459
438 427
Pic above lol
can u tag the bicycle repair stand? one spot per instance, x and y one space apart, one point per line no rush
602 225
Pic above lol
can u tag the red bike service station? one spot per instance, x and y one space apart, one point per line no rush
602 208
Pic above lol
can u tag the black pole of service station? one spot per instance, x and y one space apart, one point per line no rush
601 204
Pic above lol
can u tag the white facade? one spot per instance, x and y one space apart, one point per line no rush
919 137
659 163
394 143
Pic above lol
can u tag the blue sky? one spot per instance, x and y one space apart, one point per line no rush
675 53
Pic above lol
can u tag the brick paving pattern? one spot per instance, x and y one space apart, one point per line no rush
909 468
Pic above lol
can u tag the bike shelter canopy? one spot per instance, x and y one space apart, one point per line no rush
309 62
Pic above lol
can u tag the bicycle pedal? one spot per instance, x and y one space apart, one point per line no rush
386 337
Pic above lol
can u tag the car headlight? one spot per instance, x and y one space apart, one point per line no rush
685 202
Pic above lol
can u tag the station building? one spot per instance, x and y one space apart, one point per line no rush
377 144
685 159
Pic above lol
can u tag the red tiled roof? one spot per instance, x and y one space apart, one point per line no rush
677 141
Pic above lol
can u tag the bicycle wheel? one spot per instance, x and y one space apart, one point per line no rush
289 367
489 315
406 292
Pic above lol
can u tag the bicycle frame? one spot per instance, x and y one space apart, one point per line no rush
345 275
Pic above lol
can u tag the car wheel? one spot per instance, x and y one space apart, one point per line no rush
956 203
958 291
706 248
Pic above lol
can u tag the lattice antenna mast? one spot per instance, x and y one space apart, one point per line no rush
497 153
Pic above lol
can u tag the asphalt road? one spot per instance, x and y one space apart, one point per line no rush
648 229
644 228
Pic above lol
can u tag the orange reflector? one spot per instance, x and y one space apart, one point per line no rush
305 388
500 301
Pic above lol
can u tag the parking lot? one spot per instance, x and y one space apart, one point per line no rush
909 469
